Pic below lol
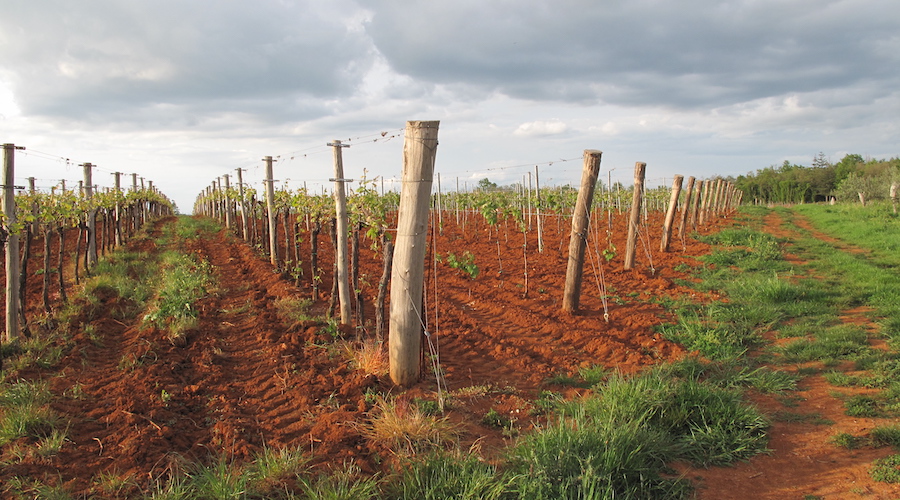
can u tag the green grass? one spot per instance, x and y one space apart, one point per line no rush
441 475
886 470
25 411
185 279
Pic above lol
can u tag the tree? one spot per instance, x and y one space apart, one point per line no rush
486 185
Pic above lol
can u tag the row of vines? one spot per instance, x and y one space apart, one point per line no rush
301 218
71 229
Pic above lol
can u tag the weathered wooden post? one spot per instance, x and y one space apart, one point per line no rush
342 260
270 210
240 180
670 213
537 204
686 209
118 212
695 211
228 205
704 203
580 222
91 217
12 244
634 219
407 276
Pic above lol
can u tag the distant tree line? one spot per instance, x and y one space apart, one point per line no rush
852 178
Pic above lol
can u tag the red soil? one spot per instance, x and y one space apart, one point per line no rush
248 378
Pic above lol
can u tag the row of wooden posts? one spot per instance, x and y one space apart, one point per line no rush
117 226
408 262
703 200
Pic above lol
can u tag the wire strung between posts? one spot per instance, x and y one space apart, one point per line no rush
599 277
435 360
437 323
645 242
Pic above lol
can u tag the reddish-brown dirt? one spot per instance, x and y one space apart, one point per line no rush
248 377
803 462
139 406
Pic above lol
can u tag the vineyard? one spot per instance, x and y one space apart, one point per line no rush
247 351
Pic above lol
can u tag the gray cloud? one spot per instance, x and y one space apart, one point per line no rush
686 54
108 59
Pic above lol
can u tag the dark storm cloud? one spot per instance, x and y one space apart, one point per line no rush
156 60
682 54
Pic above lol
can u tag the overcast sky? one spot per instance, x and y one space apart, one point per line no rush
184 91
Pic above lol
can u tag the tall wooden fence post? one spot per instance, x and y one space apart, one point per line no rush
670 213
91 217
634 219
228 205
270 209
580 222
118 212
342 260
240 180
686 209
12 244
407 276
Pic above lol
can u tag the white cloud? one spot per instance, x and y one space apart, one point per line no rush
541 128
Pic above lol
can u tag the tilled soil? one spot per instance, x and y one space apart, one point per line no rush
138 405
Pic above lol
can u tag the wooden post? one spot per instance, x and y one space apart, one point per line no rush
340 252
686 208
270 210
12 244
670 213
91 217
118 212
580 222
635 219
407 275
704 203
695 210
537 204
440 205
240 180
228 220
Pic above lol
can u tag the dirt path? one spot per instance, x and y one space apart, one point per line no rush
803 462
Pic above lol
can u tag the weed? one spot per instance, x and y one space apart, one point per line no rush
368 356
848 441
441 475
495 419
342 484
272 468
406 429
886 436
25 411
860 405
886 470
295 310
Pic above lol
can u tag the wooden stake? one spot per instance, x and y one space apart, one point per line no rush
341 258
12 244
670 213
635 218
686 208
118 210
704 203
240 179
580 222
537 204
270 210
407 276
